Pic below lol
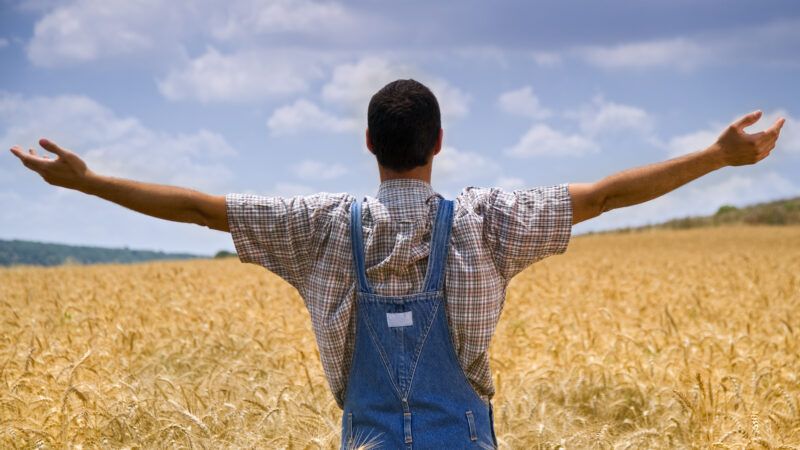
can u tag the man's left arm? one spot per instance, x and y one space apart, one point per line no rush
734 147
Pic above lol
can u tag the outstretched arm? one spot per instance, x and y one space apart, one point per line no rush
165 202
734 147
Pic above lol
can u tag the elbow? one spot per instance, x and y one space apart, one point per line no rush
596 204
198 217
604 205
211 213
210 222
604 200
588 201
203 222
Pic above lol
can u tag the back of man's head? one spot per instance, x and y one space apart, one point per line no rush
403 120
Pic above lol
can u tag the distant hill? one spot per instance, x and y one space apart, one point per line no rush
15 252
779 212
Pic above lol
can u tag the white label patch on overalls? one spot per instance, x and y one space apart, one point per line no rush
402 319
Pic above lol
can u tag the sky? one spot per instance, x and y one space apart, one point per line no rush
269 97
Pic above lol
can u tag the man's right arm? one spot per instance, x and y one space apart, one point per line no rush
164 202
734 147
157 200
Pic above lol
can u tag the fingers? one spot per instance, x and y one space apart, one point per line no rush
765 151
30 159
52 147
747 120
766 139
766 146
43 156
775 129
33 152
17 152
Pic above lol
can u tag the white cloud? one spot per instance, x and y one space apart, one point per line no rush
523 102
3 42
742 188
348 94
305 115
596 119
542 140
453 102
353 84
87 30
510 183
770 43
284 189
114 145
789 141
246 17
496 56
602 116
452 166
687 143
310 169
547 59
37 5
677 52
243 76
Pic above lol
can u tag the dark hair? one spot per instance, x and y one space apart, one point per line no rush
403 120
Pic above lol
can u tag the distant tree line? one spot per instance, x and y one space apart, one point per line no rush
779 212
14 252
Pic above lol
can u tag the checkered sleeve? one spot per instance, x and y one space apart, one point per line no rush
524 226
279 233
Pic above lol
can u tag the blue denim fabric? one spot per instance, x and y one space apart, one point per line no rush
406 388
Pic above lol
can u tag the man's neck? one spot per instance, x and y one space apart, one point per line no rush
422 173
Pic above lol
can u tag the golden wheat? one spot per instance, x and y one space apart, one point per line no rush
662 339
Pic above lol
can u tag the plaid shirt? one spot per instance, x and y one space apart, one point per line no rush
496 234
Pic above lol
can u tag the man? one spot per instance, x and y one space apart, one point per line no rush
405 289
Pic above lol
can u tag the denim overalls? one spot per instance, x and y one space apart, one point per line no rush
406 388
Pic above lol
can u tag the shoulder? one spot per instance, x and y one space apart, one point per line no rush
481 199
474 199
320 199
313 205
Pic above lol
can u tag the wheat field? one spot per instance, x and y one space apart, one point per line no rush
658 339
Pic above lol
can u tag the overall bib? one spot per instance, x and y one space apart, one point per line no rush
406 388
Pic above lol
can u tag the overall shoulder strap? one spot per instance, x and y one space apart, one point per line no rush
440 240
357 243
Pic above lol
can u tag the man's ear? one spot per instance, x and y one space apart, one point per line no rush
369 142
438 146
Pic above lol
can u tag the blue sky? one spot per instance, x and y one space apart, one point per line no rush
270 97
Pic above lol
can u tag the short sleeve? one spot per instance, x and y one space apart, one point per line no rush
524 226
280 233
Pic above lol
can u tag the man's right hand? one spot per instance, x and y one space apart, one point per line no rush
67 170
734 147
738 148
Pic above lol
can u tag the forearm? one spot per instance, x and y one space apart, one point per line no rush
641 184
162 201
